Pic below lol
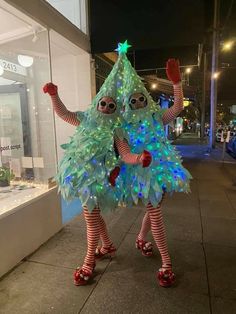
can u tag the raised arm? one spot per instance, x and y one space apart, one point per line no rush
123 148
173 74
58 106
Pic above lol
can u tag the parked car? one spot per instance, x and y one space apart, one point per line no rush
231 146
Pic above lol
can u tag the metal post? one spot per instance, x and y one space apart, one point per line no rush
187 79
203 107
223 151
214 68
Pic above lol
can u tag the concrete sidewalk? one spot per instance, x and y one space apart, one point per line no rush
201 230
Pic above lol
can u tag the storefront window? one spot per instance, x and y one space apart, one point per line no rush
74 10
27 139
71 73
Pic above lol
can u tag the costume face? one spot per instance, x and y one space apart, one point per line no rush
137 101
106 105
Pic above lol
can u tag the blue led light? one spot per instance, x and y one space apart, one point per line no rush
68 179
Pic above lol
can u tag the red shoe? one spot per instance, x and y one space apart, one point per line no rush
145 247
109 251
81 276
166 277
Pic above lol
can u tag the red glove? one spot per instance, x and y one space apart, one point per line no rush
50 88
146 158
113 175
173 71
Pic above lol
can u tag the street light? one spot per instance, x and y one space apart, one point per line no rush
215 75
227 45
188 71
154 86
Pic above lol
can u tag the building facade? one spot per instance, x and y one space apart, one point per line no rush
41 42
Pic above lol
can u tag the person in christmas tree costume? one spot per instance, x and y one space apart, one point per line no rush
90 159
145 122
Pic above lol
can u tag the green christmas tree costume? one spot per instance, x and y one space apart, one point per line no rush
146 132
89 156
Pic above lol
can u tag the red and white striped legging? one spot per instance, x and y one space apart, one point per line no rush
96 228
153 221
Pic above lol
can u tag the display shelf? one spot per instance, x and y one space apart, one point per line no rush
20 193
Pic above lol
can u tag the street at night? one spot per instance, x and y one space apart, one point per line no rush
118 156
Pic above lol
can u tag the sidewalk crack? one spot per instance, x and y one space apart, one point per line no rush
204 252
47 264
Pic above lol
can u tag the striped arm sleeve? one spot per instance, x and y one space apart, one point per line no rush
125 153
171 113
61 110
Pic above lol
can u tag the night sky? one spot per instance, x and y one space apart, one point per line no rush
149 24
159 29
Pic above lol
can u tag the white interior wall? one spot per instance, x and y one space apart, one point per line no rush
71 72
44 121
73 10
40 111
84 80
63 75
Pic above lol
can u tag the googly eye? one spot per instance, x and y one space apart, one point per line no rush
103 103
141 98
111 105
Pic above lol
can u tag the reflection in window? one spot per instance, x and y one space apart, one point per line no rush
26 116
26 121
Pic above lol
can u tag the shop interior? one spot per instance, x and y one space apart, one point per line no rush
30 134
